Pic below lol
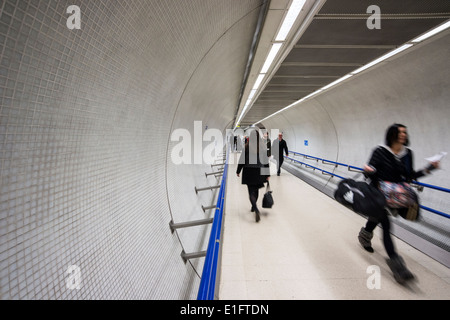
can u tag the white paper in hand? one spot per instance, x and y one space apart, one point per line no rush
437 157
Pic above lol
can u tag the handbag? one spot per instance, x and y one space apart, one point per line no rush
267 199
398 195
402 198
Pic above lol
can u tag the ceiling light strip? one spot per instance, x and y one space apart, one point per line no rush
421 38
292 15
271 57
386 56
293 12
431 33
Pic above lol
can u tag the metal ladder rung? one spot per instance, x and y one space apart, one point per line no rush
207 188
213 173
217 164
208 208
173 226
194 255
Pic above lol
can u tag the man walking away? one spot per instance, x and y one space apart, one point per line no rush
279 145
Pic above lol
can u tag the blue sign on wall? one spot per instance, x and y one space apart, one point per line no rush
306 142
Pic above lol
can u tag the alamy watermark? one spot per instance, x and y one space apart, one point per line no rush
73 281
374 21
374 280
203 146
74 20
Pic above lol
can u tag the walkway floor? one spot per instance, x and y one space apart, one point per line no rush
306 247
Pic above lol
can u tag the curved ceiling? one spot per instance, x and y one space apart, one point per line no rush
330 40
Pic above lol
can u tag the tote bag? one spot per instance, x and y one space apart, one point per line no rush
267 199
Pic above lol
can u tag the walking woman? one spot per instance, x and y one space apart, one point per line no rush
391 163
255 166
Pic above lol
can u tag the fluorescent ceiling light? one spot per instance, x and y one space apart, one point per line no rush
433 32
251 95
247 104
312 94
386 56
291 17
307 97
296 6
263 119
272 54
291 105
258 81
336 82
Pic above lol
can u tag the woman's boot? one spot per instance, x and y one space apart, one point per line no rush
365 238
257 216
398 268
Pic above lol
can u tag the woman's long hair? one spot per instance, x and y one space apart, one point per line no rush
392 134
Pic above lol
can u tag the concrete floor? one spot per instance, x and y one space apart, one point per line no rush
306 247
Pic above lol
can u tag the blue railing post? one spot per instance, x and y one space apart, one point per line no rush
209 275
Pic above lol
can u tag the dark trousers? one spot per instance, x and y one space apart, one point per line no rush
279 164
387 240
253 193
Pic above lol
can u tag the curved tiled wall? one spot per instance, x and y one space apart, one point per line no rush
86 118
85 131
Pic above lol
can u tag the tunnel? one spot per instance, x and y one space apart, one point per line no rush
113 115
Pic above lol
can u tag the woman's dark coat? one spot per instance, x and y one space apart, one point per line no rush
255 167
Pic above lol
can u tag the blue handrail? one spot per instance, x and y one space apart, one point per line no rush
315 168
209 275
328 161
431 186
361 169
